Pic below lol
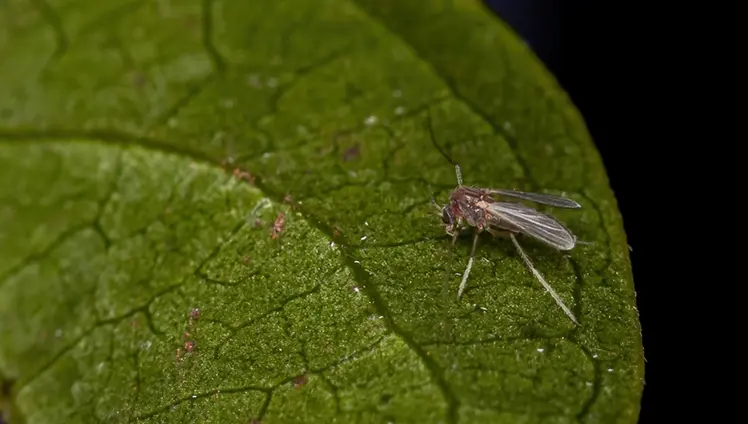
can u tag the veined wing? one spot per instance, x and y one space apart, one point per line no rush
518 217
546 199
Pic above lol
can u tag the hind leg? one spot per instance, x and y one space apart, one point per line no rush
499 233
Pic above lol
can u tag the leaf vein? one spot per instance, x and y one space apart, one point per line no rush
50 15
219 63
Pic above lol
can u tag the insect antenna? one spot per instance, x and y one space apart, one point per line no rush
540 278
459 175
469 266
436 205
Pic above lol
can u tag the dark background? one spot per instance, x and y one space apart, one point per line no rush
588 46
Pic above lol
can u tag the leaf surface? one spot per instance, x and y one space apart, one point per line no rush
148 147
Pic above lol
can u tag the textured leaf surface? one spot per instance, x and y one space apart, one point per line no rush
138 277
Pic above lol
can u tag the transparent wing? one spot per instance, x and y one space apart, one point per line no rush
546 199
518 217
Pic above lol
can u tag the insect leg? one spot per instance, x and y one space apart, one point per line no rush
469 265
459 175
445 288
540 278
449 263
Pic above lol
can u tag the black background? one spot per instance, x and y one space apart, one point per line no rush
588 47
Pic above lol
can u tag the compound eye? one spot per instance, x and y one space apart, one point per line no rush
445 216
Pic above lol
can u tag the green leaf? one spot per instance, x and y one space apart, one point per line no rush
121 126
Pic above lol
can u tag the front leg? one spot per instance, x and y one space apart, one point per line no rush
470 263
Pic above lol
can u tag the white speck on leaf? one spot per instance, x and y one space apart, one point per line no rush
399 110
146 345
371 120
540 349
58 333
363 238
218 136
610 369
254 81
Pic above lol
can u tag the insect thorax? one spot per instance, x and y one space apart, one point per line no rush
466 210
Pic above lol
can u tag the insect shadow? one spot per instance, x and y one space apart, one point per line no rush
479 210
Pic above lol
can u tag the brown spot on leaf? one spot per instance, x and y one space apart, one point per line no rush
300 381
278 225
195 313
351 153
244 176
289 200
